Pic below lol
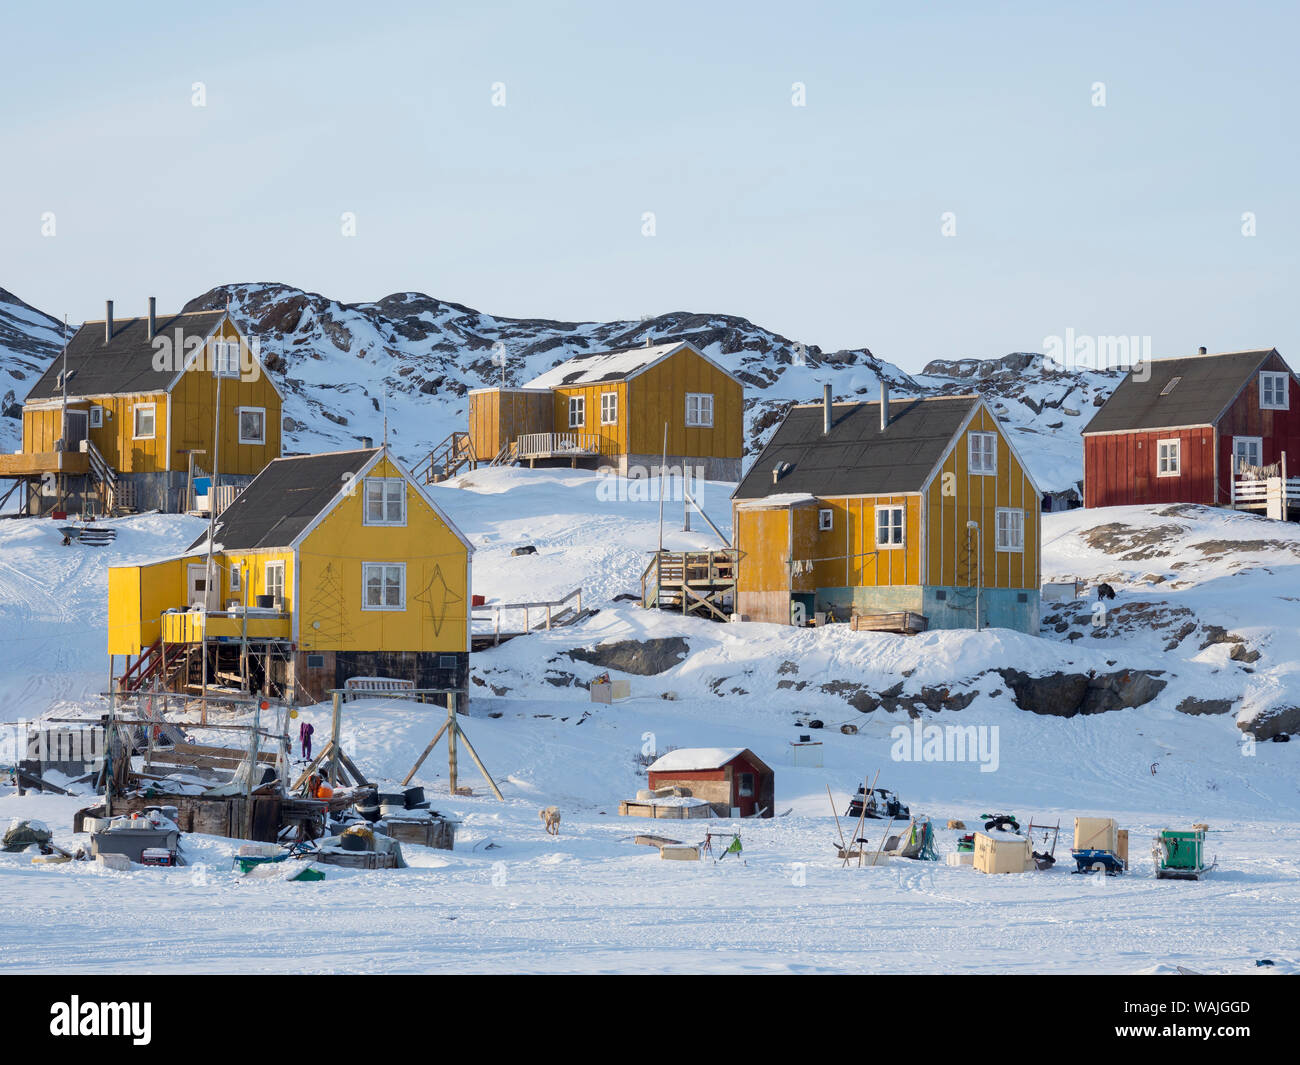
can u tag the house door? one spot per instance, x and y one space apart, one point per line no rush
199 592
1247 451
74 429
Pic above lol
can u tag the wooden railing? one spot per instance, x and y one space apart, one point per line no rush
1265 488
553 612
549 445
447 459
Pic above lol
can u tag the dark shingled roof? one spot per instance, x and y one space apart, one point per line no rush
1209 384
124 364
855 457
283 499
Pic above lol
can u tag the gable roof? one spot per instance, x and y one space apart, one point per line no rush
125 364
855 457
695 759
284 499
595 367
1207 386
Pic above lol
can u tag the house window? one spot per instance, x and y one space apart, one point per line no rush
1173 383
144 421
1273 394
315 661
385 585
1168 458
699 409
609 408
577 412
983 453
747 784
825 520
1011 529
236 580
275 580
385 501
1247 451
96 417
446 661
225 358
889 526
252 425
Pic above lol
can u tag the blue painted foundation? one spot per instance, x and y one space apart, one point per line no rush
945 607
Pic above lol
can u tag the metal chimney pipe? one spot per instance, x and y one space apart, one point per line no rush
153 316
1202 352
826 409
108 321
884 404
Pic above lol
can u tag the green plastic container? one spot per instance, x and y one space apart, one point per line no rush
1182 850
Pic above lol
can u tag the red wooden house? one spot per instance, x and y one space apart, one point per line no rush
1211 429
728 778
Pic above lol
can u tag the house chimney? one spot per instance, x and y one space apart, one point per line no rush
649 340
826 409
367 442
153 316
884 404
1202 351
108 321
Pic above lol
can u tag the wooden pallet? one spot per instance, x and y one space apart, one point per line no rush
903 621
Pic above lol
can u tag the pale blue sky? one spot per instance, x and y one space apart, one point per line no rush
821 222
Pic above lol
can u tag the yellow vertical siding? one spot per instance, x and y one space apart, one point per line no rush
612 439
331 614
658 395
977 497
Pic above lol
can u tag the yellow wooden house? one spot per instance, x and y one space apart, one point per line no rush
325 567
609 409
126 417
903 505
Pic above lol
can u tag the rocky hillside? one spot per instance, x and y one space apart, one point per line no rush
410 358
29 339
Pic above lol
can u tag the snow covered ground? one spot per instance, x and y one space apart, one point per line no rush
511 898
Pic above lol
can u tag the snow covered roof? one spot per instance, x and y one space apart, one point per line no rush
688 759
781 499
597 366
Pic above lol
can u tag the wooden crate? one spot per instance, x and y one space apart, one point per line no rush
437 832
1002 855
356 859
907 622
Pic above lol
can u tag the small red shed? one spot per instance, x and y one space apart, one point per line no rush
1184 430
728 778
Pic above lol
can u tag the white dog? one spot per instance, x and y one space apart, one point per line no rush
551 818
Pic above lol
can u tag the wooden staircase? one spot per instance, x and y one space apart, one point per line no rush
447 459
548 614
692 582
140 672
103 476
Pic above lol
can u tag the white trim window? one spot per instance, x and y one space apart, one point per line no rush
983 453
1247 451
383 585
252 424
825 520
889 526
225 358
1274 393
609 408
145 424
1169 458
1010 529
273 583
577 412
236 580
385 501
699 410
96 417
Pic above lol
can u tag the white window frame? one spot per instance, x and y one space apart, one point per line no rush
577 412
388 486
1277 380
1009 542
136 411
222 351
702 416
609 408
825 519
976 453
900 527
239 421
274 587
1176 468
236 580
366 567
96 417
1237 441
